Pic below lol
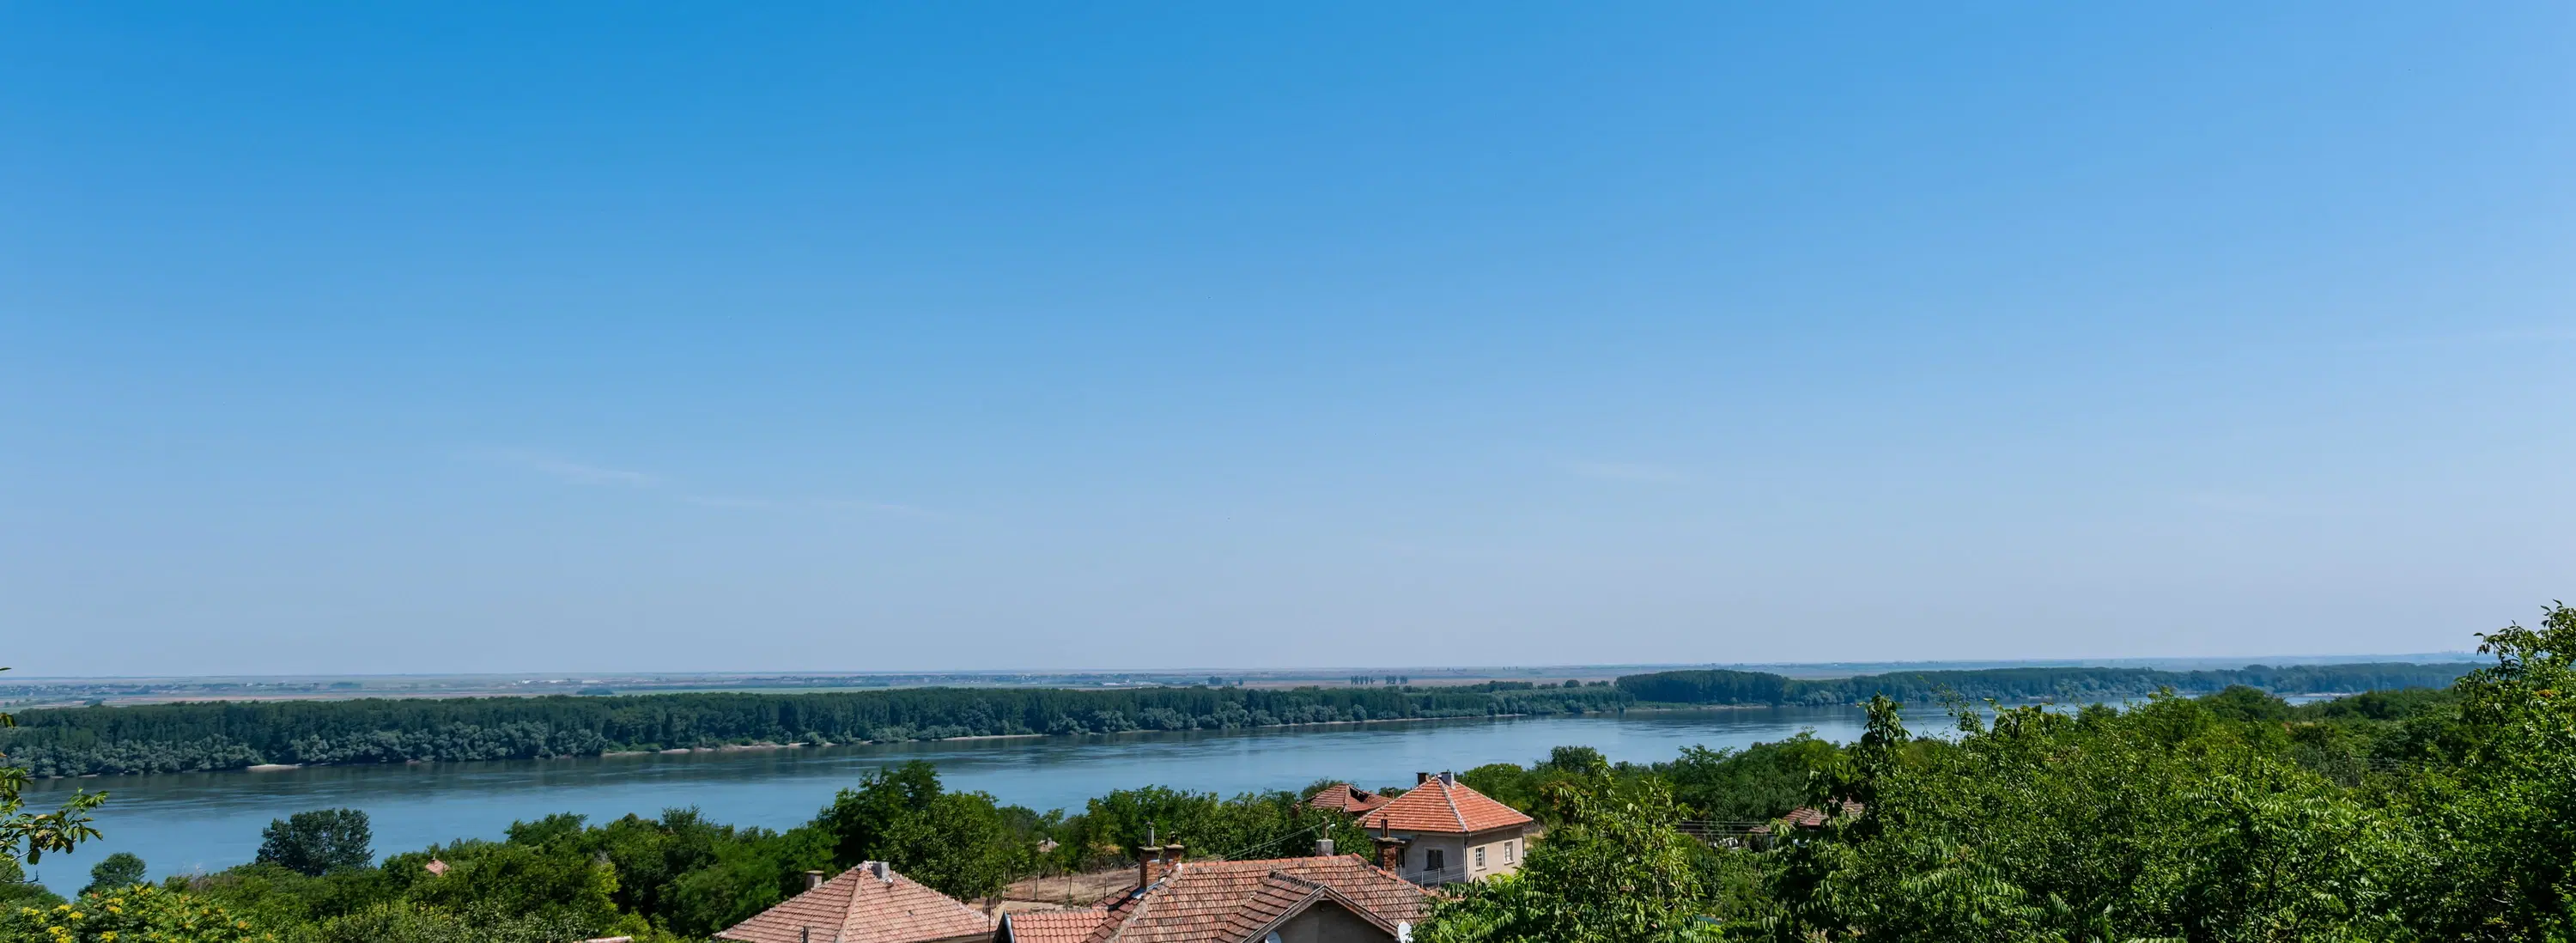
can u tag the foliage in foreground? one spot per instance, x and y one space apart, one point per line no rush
1612 870
2402 816
138 913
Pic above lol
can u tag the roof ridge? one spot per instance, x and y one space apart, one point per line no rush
1449 794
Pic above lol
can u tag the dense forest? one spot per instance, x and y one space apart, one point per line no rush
235 734
2027 684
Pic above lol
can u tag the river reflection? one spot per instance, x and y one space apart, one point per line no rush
209 821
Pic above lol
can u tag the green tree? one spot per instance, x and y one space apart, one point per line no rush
2174 819
140 912
115 871
959 843
16 891
2501 821
397 922
1613 871
1758 783
277 899
746 875
26 836
317 841
557 881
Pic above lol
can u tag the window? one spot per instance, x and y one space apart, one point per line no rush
1507 853
1433 859
1480 856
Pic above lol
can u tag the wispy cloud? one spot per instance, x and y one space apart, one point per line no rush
581 474
2251 505
836 505
1627 471
876 507
574 472
2510 335
567 470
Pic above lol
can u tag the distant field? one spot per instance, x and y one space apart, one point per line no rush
73 691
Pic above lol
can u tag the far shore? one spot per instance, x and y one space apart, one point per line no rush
742 747
745 747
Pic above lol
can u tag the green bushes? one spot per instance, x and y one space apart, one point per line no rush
2401 816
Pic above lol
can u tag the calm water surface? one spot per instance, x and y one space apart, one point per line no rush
209 821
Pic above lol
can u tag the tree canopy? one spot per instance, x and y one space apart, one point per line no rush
321 840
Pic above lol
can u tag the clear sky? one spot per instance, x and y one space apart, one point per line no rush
450 337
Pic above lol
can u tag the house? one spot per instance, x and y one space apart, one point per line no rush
1443 831
866 904
1326 898
1346 797
1809 817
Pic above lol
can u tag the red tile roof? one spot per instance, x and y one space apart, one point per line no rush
1237 901
1054 926
859 907
1440 805
1810 817
1346 797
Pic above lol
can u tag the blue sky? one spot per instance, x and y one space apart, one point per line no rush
405 338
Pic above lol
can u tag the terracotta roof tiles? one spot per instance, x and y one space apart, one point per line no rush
1228 901
1445 806
1346 797
859 907
1054 926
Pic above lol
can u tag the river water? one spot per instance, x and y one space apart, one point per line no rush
209 821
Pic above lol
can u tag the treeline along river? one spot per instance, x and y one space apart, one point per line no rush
190 737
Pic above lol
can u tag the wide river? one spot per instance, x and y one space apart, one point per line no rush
209 821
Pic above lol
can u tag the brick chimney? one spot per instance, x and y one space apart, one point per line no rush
813 879
1390 853
1153 860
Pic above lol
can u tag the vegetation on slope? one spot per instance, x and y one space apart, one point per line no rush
2415 815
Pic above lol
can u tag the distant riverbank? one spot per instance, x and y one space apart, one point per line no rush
214 736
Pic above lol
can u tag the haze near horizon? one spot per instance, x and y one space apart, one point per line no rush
416 338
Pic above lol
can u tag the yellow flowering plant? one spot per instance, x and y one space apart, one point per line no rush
140 913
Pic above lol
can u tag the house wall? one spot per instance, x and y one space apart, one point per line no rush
1326 923
1459 851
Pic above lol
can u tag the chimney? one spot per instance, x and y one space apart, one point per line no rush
1448 778
882 872
1149 859
1420 778
1178 853
1323 847
1390 853
813 879
804 935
